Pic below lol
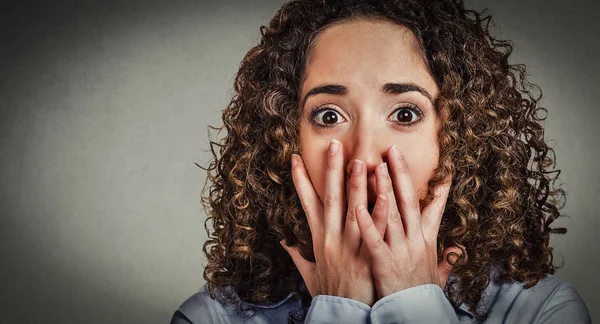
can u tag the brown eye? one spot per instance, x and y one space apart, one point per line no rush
408 115
405 115
326 117
329 117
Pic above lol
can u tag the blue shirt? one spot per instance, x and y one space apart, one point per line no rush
550 301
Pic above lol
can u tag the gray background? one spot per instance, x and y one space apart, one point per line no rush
104 109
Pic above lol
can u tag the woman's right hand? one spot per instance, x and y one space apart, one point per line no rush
343 266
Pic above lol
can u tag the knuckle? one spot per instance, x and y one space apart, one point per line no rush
412 202
330 200
378 244
395 218
330 251
330 165
351 215
355 183
327 244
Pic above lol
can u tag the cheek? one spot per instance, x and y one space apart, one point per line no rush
422 161
313 156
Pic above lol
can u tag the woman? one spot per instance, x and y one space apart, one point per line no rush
383 163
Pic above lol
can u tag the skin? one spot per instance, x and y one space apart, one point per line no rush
363 56
363 253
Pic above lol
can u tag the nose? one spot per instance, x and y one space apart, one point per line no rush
367 143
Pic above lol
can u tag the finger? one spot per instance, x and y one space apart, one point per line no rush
308 197
378 249
384 187
433 212
357 194
306 268
380 214
444 267
333 200
379 217
405 194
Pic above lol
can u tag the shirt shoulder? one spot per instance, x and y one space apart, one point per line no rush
551 300
226 308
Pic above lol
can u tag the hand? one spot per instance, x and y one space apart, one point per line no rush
407 255
343 267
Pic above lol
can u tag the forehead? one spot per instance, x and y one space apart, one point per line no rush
366 52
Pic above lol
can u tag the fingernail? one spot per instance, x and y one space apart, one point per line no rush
333 147
357 166
294 160
383 168
361 207
396 151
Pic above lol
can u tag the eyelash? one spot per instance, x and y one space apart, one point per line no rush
410 107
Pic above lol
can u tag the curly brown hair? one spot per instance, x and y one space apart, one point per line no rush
503 197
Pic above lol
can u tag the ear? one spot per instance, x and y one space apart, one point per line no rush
444 268
306 268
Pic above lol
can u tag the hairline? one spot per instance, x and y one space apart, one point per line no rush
357 17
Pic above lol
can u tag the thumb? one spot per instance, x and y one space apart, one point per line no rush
306 268
445 268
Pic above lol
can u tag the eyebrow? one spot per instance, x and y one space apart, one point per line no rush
392 88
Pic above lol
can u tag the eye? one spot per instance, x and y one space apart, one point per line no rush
326 116
408 115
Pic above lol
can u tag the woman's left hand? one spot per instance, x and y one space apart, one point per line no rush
407 255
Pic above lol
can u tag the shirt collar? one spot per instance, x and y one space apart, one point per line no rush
489 295
272 305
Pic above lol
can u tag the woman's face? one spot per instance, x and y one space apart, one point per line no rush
367 85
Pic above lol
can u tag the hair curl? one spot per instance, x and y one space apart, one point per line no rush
503 196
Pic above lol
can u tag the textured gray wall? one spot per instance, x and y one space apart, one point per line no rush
104 109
